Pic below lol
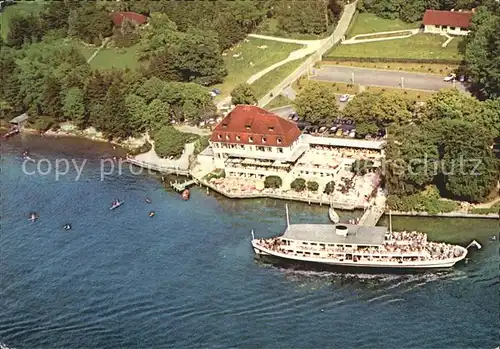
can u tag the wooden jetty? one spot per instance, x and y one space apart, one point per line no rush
182 186
161 169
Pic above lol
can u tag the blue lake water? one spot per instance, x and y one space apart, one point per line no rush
187 277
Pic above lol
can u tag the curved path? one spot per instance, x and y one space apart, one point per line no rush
310 46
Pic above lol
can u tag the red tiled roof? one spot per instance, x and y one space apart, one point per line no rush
248 122
119 17
448 18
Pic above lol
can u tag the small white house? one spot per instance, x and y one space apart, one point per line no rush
447 22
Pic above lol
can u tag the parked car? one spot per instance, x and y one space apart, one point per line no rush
450 77
344 98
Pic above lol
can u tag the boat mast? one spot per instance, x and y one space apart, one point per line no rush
287 217
390 221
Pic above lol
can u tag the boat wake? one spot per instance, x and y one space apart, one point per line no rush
4 346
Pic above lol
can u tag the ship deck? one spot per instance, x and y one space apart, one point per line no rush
326 233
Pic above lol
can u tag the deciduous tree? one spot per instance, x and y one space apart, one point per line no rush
243 94
317 103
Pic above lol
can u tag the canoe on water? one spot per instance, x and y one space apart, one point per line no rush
334 217
116 205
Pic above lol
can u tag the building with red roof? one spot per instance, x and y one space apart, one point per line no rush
249 132
253 143
119 17
449 22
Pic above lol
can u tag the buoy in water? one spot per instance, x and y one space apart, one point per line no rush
151 214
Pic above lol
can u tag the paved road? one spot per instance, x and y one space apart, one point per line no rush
287 110
387 78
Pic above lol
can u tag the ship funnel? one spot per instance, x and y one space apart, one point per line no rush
341 230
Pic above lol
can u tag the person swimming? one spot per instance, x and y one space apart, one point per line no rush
151 214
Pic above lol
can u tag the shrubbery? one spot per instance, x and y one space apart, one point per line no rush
312 186
200 144
329 187
217 173
427 201
170 142
299 184
273 182
141 149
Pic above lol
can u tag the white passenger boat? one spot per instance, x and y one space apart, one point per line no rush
349 245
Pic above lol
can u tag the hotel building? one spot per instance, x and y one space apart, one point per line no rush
251 142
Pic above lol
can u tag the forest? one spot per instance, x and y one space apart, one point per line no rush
179 58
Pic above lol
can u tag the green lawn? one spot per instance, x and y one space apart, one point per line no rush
420 46
18 8
112 57
352 89
239 68
279 101
269 81
366 23
270 27
85 50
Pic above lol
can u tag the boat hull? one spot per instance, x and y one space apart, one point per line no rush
316 263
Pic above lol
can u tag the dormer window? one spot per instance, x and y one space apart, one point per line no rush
224 125
279 140
247 127
227 138
250 139
271 128
238 138
264 139
219 136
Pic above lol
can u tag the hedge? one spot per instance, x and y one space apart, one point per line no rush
392 60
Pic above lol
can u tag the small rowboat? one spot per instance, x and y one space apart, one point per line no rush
116 205
334 217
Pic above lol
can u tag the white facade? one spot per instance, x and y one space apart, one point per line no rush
443 29
223 151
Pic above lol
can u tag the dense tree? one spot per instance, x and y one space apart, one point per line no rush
329 188
243 94
411 159
375 111
273 182
90 23
73 106
312 186
56 14
412 11
469 168
452 104
24 29
198 58
306 17
482 54
317 103
193 56
298 184
170 142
